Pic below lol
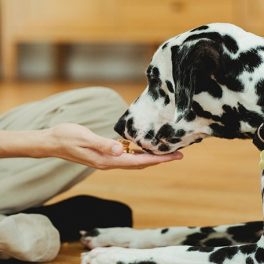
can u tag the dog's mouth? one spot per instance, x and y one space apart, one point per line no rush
163 146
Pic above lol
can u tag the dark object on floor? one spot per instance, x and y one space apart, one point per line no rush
84 213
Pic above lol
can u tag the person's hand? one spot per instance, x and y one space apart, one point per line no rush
79 144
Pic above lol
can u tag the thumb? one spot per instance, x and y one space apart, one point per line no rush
106 145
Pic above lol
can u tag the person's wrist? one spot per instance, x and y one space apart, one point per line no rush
46 144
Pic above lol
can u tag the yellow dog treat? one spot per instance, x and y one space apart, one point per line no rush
126 144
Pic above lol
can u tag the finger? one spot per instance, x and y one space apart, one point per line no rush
130 161
104 145
149 159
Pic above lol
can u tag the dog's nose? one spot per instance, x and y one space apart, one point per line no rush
120 127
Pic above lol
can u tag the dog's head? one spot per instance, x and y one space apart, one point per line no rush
185 100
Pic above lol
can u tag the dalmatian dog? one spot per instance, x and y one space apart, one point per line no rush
206 82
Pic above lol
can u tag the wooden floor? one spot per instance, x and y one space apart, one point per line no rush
217 181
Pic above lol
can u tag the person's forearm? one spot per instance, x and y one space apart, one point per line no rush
32 143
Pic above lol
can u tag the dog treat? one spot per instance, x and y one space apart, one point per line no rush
126 144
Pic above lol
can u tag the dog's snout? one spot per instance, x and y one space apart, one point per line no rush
120 127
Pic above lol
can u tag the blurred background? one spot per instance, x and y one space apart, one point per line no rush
110 40
49 46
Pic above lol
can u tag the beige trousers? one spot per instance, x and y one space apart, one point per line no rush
28 182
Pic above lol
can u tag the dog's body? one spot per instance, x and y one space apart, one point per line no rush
208 81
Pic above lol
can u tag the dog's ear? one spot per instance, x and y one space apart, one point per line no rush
190 64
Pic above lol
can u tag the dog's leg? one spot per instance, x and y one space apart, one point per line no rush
245 254
224 235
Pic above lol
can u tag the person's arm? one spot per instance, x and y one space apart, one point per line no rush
78 144
31 143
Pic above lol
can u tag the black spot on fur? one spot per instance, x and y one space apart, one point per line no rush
226 40
164 45
198 140
259 255
205 35
174 140
121 124
165 230
180 133
199 111
154 142
154 83
201 249
194 239
246 233
154 87
164 148
150 134
249 260
260 92
223 132
233 84
230 43
230 120
132 132
162 93
252 118
207 230
139 143
155 71
206 84
220 255
232 68
248 249
170 86
166 131
204 27
167 100
190 116
250 60
120 127
216 242
149 69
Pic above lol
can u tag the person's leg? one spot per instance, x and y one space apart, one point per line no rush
27 182
84 213
28 237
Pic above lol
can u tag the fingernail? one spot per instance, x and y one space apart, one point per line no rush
117 149
178 155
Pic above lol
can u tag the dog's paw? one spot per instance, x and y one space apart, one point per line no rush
118 237
111 255
105 237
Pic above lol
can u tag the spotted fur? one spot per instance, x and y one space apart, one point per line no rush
204 82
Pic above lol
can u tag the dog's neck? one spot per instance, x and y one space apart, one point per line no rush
251 112
240 121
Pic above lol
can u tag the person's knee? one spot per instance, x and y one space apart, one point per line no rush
106 96
29 237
